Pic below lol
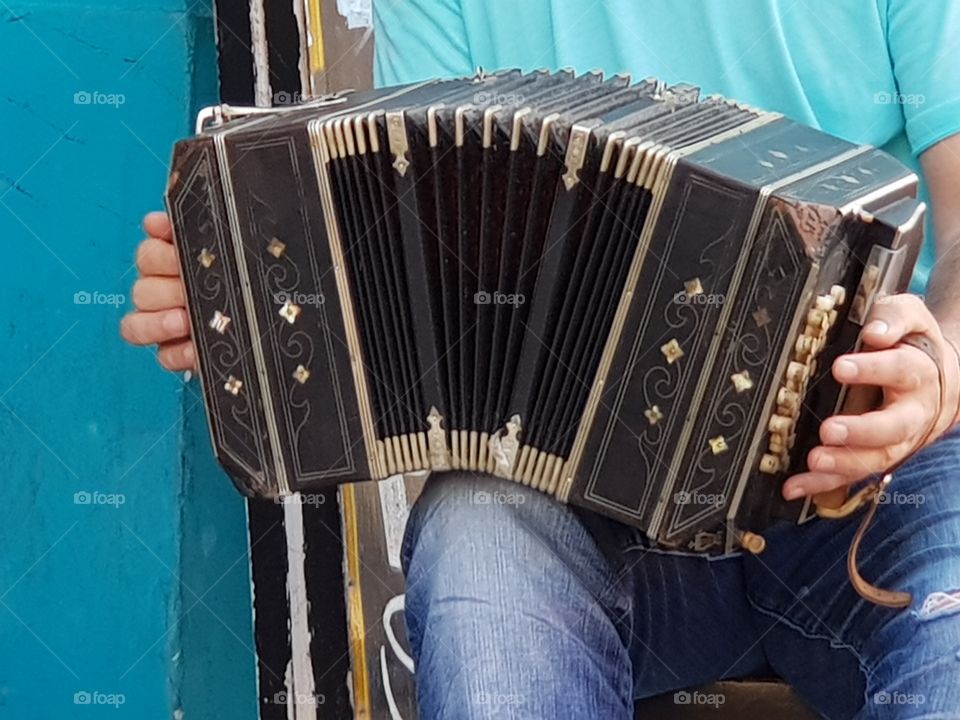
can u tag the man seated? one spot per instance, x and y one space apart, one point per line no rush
539 610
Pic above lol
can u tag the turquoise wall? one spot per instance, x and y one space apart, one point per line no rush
124 579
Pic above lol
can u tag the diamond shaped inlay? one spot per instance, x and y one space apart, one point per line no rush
290 311
693 287
206 258
301 374
718 444
276 248
233 385
742 381
761 317
672 351
653 414
220 322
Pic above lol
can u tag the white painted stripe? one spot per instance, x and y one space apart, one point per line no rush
394 510
301 697
263 95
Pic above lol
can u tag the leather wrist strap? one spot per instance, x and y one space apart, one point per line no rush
866 590
956 354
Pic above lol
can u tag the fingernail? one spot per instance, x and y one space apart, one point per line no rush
793 492
835 432
173 322
846 370
877 327
823 461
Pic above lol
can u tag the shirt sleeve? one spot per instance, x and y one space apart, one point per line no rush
419 40
924 41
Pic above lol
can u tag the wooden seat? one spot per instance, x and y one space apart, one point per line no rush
729 700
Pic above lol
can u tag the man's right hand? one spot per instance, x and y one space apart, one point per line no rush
161 315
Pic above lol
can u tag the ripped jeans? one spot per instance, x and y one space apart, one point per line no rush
521 607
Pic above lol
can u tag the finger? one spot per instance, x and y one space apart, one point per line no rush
854 463
177 356
158 293
812 483
150 328
157 257
157 224
896 423
903 368
894 316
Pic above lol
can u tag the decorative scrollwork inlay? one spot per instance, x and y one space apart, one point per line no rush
672 351
693 287
742 381
220 322
761 317
206 258
290 312
276 248
718 444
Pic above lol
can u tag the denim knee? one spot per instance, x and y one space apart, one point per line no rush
473 531
511 607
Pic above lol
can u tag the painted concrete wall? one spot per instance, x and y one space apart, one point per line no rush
124 580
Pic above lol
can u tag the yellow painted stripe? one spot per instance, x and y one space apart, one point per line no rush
358 641
318 55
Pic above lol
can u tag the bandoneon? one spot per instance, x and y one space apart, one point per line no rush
622 294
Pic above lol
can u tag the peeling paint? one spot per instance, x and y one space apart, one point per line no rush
78 39
358 13
13 18
14 185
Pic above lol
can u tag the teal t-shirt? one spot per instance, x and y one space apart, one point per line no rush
882 72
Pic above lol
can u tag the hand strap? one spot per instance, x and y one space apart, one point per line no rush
874 493
868 591
956 353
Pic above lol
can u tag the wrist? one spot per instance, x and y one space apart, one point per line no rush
953 358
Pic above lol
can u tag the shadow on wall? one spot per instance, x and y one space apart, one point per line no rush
124 578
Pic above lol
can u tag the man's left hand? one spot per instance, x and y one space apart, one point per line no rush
857 446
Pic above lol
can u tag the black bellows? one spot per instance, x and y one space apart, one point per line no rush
486 280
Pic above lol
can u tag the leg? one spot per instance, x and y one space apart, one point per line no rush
691 623
511 609
517 606
850 658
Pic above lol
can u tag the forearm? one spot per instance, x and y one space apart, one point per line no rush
941 167
943 289
943 299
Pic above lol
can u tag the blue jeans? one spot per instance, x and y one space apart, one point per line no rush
520 607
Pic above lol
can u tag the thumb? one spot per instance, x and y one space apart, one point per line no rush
893 317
